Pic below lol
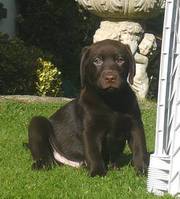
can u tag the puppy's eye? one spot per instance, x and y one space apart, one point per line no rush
98 61
120 60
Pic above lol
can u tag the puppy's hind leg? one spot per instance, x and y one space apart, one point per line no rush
39 133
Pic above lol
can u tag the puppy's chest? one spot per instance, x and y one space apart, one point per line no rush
116 123
120 122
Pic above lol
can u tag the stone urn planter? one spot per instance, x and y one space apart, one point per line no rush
123 20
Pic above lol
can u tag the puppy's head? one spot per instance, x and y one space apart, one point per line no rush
107 65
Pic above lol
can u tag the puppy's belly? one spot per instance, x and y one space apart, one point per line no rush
63 160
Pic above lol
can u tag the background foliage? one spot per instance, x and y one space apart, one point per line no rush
16 66
61 28
20 71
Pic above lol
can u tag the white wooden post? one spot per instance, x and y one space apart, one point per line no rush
164 168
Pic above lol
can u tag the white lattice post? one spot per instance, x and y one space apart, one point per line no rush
174 180
164 169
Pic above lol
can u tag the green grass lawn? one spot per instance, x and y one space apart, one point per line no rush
17 180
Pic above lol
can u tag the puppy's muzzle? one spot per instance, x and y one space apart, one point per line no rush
110 79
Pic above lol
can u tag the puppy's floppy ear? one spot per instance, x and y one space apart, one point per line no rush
84 54
132 65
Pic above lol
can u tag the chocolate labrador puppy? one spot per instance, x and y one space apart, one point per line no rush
92 130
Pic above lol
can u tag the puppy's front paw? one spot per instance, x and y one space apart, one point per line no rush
142 170
98 170
41 164
115 165
142 166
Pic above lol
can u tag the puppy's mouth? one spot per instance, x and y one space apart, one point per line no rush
110 88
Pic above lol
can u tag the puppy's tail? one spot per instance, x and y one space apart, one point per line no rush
39 132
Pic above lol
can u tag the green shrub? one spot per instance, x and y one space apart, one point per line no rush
61 28
49 81
18 66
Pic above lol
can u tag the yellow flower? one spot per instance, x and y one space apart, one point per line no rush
48 76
